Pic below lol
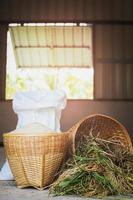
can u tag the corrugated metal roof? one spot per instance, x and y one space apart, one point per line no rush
44 46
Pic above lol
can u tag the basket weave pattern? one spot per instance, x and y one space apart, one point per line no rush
35 160
103 126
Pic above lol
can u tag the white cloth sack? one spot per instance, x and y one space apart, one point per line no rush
5 173
36 107
39 106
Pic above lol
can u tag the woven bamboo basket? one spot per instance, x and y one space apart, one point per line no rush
35 159
102 126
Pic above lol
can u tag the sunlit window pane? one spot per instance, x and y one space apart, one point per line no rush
50 67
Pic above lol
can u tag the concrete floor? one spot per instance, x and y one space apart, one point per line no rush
9 191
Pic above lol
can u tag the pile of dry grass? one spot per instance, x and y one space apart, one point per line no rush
98 168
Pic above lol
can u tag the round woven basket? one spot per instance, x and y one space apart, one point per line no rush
102 126
35 159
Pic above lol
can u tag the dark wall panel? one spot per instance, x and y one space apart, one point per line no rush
3 47
113 61
128 9
62 10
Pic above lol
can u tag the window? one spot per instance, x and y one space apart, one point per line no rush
55 56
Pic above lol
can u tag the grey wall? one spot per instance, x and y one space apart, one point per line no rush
75 110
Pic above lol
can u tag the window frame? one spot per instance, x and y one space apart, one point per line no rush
3 70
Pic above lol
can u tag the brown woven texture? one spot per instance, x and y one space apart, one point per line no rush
35 159
102 126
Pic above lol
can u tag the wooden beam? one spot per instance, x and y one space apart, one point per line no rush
3 48
114 60
100 22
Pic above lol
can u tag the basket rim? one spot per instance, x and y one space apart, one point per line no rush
48 134
101 115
